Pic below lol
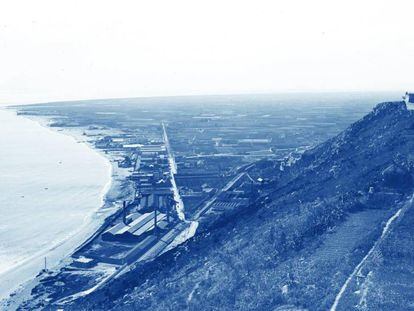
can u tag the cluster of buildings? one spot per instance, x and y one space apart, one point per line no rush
148 223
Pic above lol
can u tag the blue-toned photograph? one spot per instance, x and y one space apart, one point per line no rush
206 155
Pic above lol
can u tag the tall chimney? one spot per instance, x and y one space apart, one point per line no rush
168 212
168 205
124 213
155 219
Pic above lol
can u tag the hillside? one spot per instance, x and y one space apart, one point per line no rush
296 247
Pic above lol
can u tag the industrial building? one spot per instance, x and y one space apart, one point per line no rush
138 228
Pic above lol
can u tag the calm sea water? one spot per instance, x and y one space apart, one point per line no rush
50 187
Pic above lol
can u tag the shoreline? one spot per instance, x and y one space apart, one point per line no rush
60 252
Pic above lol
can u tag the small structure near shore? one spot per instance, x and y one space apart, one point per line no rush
409 100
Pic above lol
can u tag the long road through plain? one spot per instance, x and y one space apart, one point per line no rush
173 171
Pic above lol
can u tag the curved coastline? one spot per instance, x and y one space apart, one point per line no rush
25 270
45 123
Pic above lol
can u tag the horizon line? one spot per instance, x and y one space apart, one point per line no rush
188 95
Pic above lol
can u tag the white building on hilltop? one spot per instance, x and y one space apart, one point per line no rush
409 100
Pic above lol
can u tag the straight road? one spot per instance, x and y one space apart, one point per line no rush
173 171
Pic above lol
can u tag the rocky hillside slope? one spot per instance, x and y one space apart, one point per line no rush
299 244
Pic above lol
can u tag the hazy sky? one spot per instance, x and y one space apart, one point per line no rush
54 50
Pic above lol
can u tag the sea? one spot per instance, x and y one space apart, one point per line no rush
51 187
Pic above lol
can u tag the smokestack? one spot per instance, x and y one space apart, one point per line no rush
168 205
155 219
124 213
168 212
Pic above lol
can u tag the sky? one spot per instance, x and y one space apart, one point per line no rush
62 50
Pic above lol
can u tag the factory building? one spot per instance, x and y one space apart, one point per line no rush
139 228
